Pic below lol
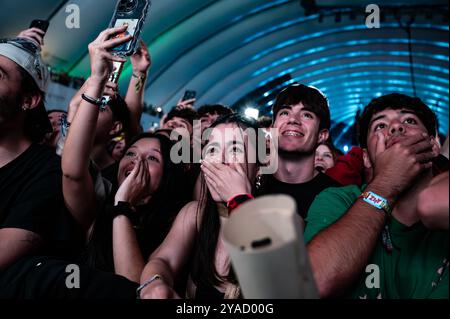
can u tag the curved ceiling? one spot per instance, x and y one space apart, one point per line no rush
227 49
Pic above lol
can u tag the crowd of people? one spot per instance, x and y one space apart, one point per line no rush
86 185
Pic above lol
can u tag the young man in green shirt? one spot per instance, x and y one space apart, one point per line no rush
369 242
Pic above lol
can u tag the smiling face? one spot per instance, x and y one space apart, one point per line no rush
298 129
176 123
395 125
149 149
324 158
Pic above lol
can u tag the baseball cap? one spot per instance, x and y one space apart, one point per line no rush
26 54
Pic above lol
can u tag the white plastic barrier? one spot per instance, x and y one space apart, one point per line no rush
264 238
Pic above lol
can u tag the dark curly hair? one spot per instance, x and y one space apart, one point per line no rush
395 101
37 123
120 111
218 109
188 114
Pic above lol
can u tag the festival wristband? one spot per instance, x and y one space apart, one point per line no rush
376 201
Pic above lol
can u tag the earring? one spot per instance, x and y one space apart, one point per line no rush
259 181
24 107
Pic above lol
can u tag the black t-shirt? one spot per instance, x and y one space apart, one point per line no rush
110 173
304 193
151 228
31 199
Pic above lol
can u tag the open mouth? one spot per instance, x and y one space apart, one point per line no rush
128 170
320 168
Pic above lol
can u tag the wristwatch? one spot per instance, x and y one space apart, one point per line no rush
123 208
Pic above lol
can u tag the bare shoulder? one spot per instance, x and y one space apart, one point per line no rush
190 207
189 213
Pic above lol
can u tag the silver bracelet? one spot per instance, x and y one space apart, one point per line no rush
145 284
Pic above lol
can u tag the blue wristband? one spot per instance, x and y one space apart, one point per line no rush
377 201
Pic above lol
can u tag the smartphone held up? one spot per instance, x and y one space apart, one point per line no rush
189 95
131 13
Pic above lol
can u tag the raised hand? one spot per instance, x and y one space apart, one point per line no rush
141 59
35 34
397 166
187 104
101 58
135 187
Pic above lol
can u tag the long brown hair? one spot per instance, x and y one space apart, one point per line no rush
204 271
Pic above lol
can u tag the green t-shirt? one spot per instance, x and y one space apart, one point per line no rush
416 268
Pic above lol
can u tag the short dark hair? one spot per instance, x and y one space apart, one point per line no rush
218 109
27 84
264 122
120 111
37 123
188 114
56 110
308 96
395 101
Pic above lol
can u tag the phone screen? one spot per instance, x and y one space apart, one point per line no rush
132 25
